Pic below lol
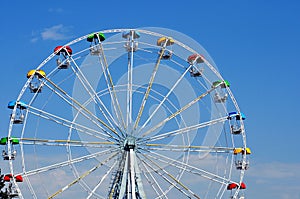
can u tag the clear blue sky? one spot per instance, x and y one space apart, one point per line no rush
255 44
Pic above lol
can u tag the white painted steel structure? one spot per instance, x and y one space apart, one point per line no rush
128 118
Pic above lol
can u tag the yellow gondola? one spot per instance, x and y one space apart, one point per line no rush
161 41
39 73
241 150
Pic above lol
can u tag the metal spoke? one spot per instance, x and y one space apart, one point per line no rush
160 171
102 179
150 85
72 143
186 148
178 112
165 97
129 82
80 106
70 124
110 86
153 179
87 86
82 176
184 130
173 178
189 168
66 163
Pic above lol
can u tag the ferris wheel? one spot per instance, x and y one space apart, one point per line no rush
126 113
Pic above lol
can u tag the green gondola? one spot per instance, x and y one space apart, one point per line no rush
93 36
223 84
4 140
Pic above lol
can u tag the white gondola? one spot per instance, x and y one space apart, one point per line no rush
241 166
195 72
166 55
235 129
220 98
95 50
131 46
6 156
62 64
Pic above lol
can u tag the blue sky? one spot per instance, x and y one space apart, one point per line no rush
255 44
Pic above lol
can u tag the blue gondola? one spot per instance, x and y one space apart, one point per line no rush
127 34
18 116
20 104
236 115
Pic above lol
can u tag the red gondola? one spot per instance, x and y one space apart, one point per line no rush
242 186
7 177
19 178
234 186
231 186
193 57
63 49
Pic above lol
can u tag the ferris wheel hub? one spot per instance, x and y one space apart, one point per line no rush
129 143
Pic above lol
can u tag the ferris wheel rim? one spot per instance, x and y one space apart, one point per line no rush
115 31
